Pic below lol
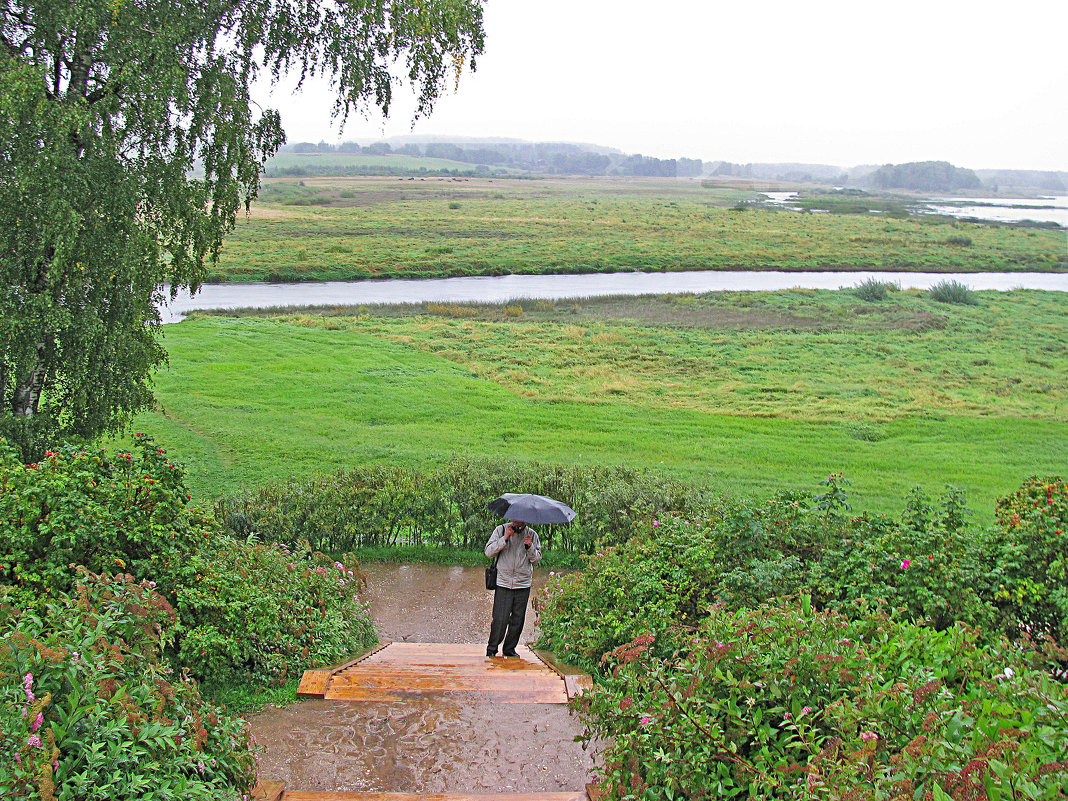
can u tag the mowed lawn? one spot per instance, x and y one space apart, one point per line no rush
250 400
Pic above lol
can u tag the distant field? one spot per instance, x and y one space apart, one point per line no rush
749 392
360 227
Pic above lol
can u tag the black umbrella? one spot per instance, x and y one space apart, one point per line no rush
527 508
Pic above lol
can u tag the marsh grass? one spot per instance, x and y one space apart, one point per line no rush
747 392
953 292
873 290
351 228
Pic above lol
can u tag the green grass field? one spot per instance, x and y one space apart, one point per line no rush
349 228
750 392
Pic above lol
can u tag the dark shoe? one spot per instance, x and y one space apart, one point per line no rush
510 653
492 653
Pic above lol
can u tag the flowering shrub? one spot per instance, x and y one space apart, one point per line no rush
746 554
1031 577
650 583
928 562
124 512
90 709
713 681
260 613
246 611
790 702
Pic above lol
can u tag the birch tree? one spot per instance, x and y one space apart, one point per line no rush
129 142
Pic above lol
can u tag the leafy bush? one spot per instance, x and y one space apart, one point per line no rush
929 562
90 710
746 554
389 505
246 612
254 613
788 702
1031 558
123 512
952 292
874 290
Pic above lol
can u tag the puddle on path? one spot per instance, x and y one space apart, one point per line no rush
440 745
435 603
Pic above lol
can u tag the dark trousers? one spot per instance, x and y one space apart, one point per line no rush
509 614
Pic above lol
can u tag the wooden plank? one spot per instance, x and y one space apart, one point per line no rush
423 686
558 696
436 657
359 656
576 682
313 683
413 671
456 681
488 672
557 664
449 647
577 685
268 791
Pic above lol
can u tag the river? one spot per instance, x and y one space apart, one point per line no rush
1042 209
1045 209
500 289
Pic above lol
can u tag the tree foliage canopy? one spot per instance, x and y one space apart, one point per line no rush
128 144
925 176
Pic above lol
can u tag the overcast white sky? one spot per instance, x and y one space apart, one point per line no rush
979 84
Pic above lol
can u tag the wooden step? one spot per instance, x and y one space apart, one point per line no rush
495 696
411 671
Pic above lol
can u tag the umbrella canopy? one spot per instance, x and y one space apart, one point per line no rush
527 508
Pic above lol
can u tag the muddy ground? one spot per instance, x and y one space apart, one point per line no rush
434 745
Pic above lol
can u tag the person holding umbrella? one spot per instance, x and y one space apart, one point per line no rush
517 549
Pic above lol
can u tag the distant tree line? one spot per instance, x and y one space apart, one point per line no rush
797 173
924 176
553 157
573 159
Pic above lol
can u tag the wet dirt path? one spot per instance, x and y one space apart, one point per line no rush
434 746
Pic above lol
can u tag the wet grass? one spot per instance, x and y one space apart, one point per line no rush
747 392
340 228
246 698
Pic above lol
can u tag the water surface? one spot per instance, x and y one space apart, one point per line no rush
500 289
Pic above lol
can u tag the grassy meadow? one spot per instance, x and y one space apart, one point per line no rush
750 392
340 228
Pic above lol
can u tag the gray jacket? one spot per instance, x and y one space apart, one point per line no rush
515 562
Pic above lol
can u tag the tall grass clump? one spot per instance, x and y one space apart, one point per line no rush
874 290
952 292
